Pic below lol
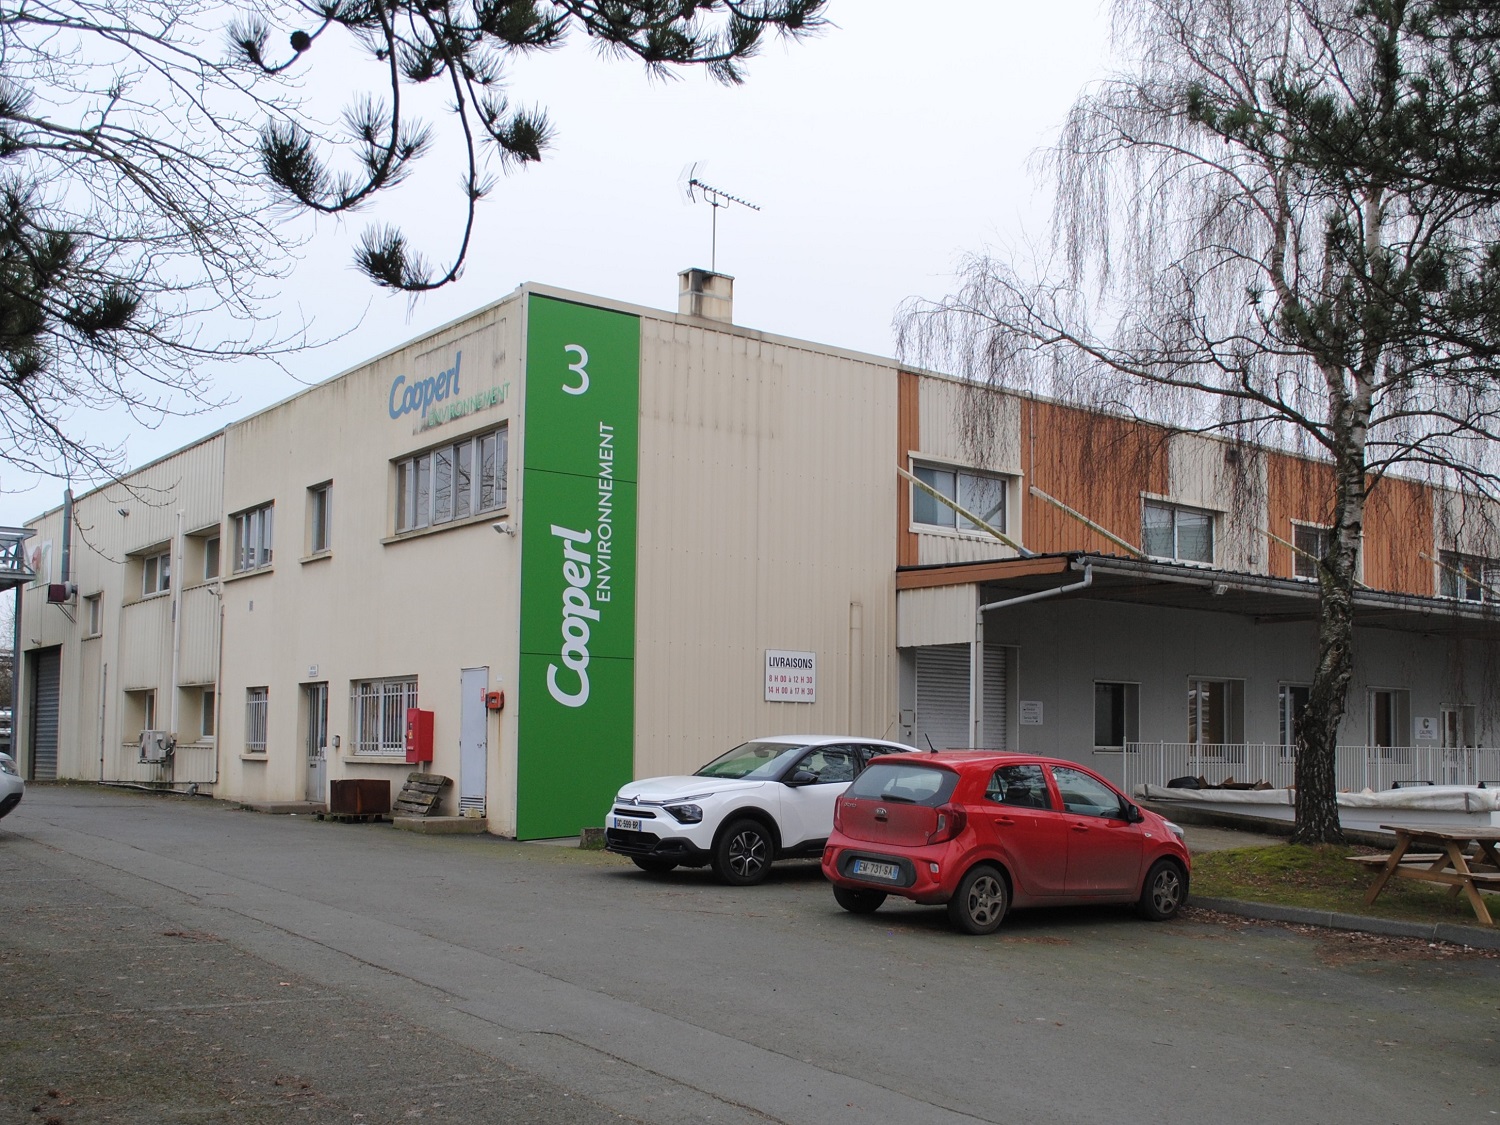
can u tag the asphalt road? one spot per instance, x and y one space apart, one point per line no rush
172 960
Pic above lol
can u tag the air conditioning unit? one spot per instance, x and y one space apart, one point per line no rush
157 746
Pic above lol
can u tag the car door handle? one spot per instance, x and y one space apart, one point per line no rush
1004 820
1080 827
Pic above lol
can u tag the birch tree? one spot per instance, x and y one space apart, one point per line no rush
1278 223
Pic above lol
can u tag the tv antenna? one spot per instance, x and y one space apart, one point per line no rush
694 189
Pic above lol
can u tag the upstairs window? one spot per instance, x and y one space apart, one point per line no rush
319 511
1468 578
452 482
252 539
156 574
983 494
1170 531
1312 545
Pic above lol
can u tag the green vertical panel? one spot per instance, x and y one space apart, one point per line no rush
576 725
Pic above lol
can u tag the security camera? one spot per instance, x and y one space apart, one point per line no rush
123 511
504 528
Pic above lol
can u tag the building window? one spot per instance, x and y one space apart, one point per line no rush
1216 712
380 715
206 723
1291 703
142 708
93 610
252 539
1459 725
1468 578
452 482
1312 544
319 499
1116 715
257 703
211 558
983 494
1169 531
1390 717
156 574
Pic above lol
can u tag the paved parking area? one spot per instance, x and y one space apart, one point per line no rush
169 960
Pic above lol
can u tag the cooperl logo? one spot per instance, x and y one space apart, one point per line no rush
577 611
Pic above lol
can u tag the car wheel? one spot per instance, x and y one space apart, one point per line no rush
654 866
743 854
1164 892
858 901
979 905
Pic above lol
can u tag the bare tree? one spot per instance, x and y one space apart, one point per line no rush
1281 225
136 247
462 47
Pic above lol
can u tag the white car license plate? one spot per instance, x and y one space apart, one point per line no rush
627 824
872 870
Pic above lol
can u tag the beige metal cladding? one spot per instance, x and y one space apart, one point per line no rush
200 636
765 497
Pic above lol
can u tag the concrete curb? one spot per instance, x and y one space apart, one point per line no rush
1476 937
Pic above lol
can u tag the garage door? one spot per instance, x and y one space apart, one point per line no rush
45 668
996 691
943 697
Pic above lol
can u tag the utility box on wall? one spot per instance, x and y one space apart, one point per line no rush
418 735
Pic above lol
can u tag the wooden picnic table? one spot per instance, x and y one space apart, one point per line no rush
1441 855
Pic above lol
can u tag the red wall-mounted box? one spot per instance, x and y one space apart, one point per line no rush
418 735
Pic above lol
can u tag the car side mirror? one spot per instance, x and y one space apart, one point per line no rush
1133 814
802 777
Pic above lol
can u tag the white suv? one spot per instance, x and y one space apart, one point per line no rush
767 799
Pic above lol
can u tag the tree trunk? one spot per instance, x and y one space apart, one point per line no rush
1316 797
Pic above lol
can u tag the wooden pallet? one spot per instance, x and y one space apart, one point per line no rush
352 817
420 795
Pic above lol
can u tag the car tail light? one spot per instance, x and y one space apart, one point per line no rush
950 822
838 815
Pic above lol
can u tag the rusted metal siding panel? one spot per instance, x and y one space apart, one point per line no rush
908 440
1298 490
765 522
1398 531
1098 466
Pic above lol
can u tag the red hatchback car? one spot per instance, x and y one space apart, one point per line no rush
984 832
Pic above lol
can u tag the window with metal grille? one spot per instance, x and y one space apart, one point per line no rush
452 482
257 703
380 715
1312 544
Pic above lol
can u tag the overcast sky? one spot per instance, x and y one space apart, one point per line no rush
879 152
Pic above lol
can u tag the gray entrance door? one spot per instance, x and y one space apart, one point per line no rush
46 674
473 741
316 696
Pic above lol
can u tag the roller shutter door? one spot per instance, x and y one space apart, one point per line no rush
943 697
45 675
996 692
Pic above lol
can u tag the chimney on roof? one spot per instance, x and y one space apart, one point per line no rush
706 294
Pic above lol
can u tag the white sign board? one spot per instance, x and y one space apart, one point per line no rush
1425 728
791 677
1031 712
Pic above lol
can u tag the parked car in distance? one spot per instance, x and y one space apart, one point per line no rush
982 832
12 788
771 798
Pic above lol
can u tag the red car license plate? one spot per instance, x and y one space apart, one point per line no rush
872 870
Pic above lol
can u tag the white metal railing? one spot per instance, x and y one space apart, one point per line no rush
1355 767
191 763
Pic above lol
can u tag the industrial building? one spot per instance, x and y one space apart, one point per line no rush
566 541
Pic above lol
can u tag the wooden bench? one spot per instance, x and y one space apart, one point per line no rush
1409 857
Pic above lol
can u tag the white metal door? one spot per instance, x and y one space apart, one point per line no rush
473 741
316 696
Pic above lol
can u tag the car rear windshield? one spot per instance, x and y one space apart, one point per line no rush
898 781
753 761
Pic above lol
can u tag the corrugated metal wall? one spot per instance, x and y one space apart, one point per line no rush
765 522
